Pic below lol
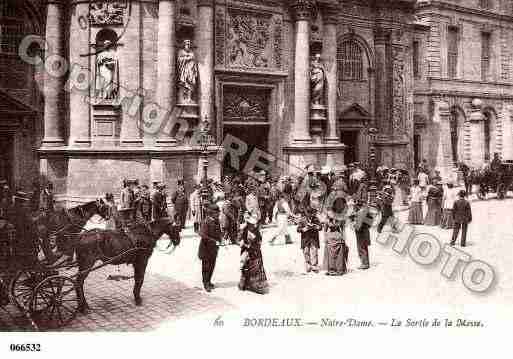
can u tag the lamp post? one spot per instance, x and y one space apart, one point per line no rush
204 142
373 183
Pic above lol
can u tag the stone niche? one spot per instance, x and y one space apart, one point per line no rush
248 40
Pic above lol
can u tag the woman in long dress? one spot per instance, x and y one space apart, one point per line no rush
448 203
434 203
253 276
281 215
415 215
336 252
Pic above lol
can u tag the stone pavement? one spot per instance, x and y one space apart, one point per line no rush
173 293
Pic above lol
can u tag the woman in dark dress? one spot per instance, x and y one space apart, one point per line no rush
434 202
253 276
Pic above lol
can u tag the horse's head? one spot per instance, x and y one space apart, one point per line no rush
167 226
102 209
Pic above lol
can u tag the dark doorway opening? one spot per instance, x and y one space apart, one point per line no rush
254 136
350 139
416 151
6 157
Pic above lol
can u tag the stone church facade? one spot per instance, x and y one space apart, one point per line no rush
251 73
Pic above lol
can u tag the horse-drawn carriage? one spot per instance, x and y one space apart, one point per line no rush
51 295
493 180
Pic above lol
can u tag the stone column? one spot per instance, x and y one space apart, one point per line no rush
476 134
302 11
204 40
166 58
507 133
54 85
382 118
330 54
80 113
129 57
444 154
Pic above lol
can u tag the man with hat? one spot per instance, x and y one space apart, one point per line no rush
264 197
211 237
26 248
159 202
180 203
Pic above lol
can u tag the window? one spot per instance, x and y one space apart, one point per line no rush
12 28
485 4
350 61
416 59
485 55
452 52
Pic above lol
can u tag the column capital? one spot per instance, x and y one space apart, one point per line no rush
303 9
381 35
330 14
206 3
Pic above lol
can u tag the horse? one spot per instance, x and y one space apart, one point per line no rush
64 222
132 245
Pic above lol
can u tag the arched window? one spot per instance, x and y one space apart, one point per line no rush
487 136
350 61
12 27
454 135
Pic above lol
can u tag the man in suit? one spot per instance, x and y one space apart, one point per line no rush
180 203
462 215
210 234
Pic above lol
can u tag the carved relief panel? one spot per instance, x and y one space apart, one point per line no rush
102 13
245 104
399 90
248 40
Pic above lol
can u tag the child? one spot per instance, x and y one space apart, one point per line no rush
309 227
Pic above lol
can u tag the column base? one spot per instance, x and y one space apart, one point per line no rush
332 141
80 142
165 142
131 142
302 141
53 142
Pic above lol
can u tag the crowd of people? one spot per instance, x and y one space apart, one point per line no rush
329 200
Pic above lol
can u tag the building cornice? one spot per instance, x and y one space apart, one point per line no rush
442 5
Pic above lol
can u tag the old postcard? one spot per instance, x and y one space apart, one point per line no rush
220 168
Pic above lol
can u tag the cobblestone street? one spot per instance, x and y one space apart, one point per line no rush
173 292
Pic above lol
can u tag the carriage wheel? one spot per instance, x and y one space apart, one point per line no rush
54 303
22 287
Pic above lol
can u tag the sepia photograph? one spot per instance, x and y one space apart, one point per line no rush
304 168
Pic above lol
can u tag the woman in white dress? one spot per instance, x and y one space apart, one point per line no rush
281 215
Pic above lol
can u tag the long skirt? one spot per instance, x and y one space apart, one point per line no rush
447 220
282 223
253 276
415 215
335 254
434 213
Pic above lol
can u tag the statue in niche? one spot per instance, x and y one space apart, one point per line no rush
187 73
107 72
317 81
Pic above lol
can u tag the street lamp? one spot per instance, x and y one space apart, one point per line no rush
204 142
373 183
